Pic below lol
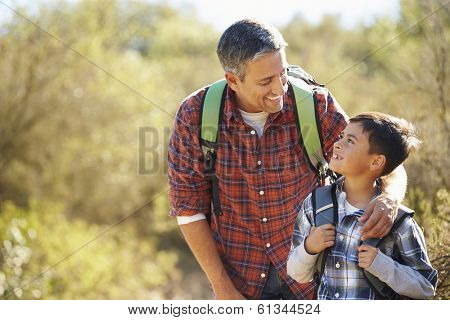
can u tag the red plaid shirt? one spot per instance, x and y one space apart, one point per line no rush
262 183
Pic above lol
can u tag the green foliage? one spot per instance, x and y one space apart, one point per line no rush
46 255
433 216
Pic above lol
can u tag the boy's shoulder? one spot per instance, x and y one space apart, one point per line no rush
306 207
322 197
405 228
404 220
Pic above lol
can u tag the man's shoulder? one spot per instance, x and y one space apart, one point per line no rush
324 100
190 107
194 100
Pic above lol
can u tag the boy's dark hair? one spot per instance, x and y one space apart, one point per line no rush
390 136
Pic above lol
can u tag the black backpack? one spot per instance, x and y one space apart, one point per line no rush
325 210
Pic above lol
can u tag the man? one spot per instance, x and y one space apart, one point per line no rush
261 168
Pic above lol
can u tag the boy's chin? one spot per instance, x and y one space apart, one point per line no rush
335 168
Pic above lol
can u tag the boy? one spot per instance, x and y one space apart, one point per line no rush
371 146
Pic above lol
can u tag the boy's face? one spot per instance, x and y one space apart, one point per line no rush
351 153
264 84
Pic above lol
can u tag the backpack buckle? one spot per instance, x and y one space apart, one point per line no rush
210 162
322 169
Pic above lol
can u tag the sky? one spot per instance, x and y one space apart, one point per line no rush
221 14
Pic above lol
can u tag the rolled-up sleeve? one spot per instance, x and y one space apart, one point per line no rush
189 190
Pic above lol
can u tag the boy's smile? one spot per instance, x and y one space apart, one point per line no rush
351 152
336 156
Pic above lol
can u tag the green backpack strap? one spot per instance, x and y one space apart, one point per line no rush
210 114
308 124
211 111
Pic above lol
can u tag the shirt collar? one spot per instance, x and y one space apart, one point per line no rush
230 106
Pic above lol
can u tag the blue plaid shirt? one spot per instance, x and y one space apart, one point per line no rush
401 262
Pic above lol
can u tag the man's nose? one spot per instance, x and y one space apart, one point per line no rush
280 86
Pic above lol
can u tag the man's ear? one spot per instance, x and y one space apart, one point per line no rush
378 162
232 80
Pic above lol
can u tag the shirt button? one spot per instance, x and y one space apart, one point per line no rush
268 245
336 294
263 275
264 219
261 192
341 237
338 265
253 132
259 162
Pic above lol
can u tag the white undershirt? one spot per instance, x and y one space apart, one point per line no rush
349 209
254 120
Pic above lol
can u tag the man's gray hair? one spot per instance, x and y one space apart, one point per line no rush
244 41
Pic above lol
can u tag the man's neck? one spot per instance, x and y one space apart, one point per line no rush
359 190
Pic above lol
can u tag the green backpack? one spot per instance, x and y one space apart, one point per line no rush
306 118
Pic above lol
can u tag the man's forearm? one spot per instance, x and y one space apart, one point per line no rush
394 185
199 238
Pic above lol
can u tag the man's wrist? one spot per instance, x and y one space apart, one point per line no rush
222 283
391 198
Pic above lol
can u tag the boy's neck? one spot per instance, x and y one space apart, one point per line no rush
359 190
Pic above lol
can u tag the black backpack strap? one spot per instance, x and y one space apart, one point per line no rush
325 210
382 290
299 72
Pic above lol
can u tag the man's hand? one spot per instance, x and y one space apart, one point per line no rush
366 255
378 218
198 236
229 294
320 238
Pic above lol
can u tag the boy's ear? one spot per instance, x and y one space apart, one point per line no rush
232 80
378 162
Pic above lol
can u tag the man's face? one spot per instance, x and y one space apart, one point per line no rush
264 84
351 152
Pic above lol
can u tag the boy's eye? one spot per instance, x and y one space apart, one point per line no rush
350 141
341 135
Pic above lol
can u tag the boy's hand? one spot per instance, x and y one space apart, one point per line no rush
320 238
366 255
